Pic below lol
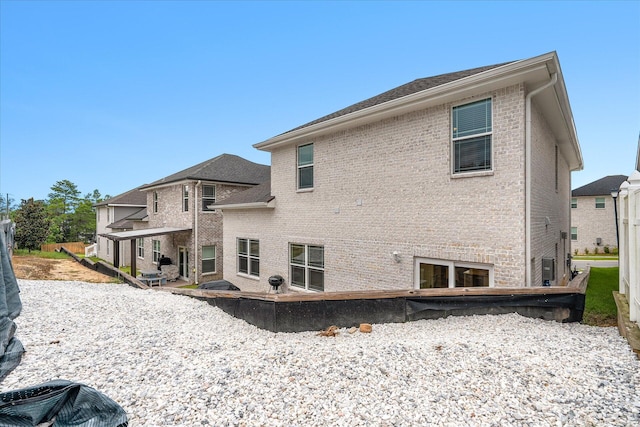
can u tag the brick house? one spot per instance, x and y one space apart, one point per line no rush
179 222
462 179
593 221
117 214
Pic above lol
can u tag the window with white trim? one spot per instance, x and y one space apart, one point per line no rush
140 243
435 273
248 251
574 203
185 198
156 250
208 259
208 197
600 203
155 202
306 264
471 136
305 166
574 233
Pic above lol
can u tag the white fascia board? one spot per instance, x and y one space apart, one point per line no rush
534 70
253 205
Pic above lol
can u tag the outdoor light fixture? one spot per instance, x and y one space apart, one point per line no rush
614 194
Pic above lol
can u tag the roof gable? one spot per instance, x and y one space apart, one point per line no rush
223 168
135 197
600 187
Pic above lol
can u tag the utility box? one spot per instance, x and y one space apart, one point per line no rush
548 269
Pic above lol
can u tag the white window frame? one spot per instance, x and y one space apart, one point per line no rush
574 203
207 199
155 244
574 234
454 140
140 248
305 166
248 256
451 265
185 198
603 203
215 254
307 267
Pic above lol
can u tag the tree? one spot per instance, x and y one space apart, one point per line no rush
6 206
82 222
63 200
32 224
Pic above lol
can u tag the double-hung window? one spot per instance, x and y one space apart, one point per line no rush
155 202
574 233
249 257
141 248
307 266
574 203
471 137
208 197
156 250
305 166
185 198
599 202
208 259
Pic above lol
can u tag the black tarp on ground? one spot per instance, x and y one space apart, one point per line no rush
11 349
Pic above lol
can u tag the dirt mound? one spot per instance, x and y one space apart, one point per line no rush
36 268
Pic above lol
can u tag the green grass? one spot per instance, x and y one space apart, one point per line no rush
189 287
40 254
595 257
600 307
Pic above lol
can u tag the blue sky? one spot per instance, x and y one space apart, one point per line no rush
115 94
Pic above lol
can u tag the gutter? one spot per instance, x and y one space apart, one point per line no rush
195 208
527 174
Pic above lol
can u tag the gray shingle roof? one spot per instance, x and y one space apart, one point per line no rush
415 86
601 187
223 168
134 197
258 194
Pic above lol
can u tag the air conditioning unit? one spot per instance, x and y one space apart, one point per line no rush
548 269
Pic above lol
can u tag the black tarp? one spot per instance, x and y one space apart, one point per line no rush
11 349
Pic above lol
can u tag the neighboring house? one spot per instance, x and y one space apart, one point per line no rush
463 179
113 215
593 221
181 224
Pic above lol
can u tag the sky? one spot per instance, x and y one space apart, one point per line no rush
111 95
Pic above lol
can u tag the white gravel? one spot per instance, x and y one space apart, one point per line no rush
175 361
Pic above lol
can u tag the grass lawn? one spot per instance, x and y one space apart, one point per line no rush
40 254
595 257
600 308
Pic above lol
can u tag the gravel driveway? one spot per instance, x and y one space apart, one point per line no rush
175 361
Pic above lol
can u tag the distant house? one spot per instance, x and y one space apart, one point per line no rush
118 214
457 180
593 222
180 222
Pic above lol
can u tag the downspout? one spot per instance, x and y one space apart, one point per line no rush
527 201
195 228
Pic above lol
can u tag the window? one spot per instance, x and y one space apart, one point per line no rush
434 273
574 203
140 248
208 259
556 168
156 250
185 198
599 202
108 214
574 233
249 257
208 197
155 202
305 166
471 131
307 266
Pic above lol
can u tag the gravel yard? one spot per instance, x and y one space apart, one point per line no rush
175 361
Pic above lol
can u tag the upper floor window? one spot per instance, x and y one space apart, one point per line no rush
249 257
155 202
185 198
599 202
208 197
108 214
574 203
471 135
305 166
307 266
208 259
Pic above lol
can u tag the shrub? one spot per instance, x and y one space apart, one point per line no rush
606 249
586 251
595 251
615 251
575 252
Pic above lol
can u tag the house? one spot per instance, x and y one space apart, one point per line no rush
457 180
180 225
116 214
593 220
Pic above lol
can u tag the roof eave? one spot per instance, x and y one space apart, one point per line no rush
253 205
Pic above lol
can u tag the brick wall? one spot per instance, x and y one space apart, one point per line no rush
593 223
